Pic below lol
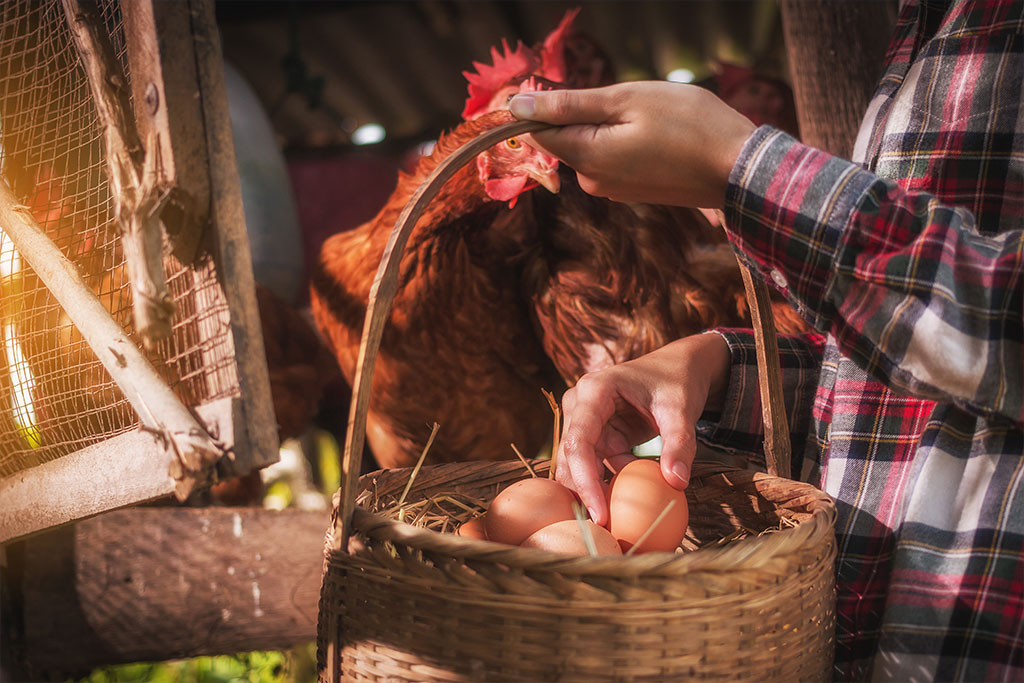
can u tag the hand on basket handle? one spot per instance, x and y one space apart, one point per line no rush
611 410
657 142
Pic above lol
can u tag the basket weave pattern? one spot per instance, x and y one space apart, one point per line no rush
408 603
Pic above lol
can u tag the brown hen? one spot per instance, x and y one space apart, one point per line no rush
609 281
459 346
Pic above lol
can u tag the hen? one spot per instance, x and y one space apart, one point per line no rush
609 281
459 347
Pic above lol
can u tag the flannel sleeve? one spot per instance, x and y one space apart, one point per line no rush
909 287
739 426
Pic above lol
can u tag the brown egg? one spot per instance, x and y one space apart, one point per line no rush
474 528
565 537
638 495
525 507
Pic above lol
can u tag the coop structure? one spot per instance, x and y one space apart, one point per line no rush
131 361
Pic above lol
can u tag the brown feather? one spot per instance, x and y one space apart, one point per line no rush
610 282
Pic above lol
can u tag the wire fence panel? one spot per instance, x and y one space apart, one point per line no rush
55 396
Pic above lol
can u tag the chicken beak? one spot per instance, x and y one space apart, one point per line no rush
547 177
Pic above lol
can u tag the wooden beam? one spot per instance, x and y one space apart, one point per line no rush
121 471
231 247
151 584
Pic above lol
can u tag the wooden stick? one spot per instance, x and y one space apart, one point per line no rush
382 294
656 522
556 437
136 178
523 460
419 464
159 409
588 538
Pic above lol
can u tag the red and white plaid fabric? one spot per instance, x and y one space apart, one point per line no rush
908 407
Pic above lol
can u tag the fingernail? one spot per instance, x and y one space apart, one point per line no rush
523 106
681 470
593 515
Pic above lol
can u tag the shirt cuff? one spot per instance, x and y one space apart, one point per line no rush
786 207
739 427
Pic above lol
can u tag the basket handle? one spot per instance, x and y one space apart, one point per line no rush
382 294
769 374
385 286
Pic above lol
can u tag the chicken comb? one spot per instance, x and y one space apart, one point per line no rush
509 65
552 54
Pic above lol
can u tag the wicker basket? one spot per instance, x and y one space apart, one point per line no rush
406 603
412 604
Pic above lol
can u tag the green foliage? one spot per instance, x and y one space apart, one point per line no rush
329 461
297 665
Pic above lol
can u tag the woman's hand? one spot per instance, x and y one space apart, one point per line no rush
610 411
655 142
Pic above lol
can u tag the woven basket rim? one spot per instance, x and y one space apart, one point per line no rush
748 553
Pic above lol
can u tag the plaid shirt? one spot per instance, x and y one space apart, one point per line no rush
908 408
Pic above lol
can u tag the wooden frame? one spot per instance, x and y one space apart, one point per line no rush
174 53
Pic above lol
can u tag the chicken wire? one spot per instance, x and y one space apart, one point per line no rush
55 396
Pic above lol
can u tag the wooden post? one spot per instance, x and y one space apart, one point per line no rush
151 584
162 62
231 246
835 52
137 183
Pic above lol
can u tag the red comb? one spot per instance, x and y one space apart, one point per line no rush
552 54
510 65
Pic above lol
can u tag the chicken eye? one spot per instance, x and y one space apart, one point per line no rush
513 143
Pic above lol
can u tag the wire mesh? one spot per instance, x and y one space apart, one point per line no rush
55 396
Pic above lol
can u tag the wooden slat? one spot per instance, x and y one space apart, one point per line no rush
162 61
231 248
120 471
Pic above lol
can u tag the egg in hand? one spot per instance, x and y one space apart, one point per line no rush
637 497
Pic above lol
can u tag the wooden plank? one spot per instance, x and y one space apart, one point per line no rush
121 471
165 87
151 584
231 249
